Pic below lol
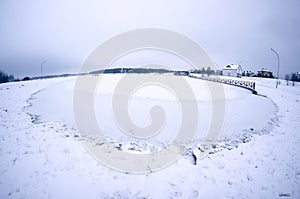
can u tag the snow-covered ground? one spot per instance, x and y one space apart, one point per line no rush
257 156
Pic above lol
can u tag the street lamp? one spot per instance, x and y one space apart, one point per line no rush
42 68
277 55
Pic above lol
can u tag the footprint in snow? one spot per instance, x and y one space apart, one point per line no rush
220 165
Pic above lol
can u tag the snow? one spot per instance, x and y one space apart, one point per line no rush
144 99
231 67
257 156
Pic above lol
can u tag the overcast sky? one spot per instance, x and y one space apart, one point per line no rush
64 32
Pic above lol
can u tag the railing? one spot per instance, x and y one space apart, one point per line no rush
240 83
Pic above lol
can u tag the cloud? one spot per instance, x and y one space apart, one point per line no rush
65 32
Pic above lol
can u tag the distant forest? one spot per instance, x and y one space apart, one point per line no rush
131 70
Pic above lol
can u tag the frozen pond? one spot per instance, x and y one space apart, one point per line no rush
243 110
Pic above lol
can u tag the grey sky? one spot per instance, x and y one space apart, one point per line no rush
64 32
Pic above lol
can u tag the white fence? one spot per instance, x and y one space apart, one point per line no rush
240 83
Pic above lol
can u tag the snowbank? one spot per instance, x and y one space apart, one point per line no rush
43 157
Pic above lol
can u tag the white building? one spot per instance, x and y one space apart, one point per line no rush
232 70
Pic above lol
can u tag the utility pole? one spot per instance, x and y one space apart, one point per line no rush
42 68
277 55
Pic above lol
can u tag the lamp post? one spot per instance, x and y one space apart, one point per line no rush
42 68
277 55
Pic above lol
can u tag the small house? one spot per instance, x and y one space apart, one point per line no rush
232 70
298 75
265 73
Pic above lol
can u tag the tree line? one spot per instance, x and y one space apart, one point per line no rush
5 77
294 77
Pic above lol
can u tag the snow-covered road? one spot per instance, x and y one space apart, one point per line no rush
44 158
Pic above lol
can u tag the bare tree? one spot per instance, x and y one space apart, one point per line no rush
287 77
